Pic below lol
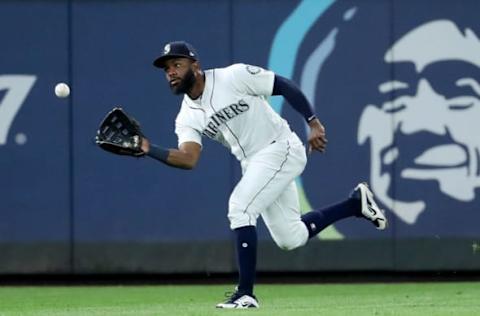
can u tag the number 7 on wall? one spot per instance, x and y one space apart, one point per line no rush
18 87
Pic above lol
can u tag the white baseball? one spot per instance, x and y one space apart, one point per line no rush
62 90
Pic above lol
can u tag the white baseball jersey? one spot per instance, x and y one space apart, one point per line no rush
233 110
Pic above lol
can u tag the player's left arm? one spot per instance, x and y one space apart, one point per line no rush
257 81
291 92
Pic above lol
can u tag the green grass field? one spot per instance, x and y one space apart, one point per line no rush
314 299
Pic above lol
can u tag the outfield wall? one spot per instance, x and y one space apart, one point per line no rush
396 83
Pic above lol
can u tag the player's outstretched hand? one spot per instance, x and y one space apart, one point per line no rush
317 139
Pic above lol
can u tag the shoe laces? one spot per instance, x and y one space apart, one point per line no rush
232 296
229 294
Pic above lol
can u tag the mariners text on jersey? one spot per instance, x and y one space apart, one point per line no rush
223 116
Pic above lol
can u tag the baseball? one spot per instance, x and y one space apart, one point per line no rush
62 90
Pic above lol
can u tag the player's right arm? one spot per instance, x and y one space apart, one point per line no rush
189 143
185 157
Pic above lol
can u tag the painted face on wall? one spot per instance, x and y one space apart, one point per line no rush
428 127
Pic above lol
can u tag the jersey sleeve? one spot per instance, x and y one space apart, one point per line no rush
252 80
185 130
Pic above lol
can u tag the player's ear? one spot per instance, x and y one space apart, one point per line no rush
195 66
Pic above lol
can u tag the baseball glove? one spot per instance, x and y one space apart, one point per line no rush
120 134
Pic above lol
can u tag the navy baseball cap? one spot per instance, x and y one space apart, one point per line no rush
175 50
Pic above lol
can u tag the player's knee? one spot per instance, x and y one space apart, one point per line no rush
289 237
289 243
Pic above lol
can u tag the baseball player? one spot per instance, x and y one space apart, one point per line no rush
230 105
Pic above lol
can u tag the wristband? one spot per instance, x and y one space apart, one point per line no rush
311 118
158 153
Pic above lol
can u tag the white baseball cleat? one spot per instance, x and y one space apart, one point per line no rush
238 300
370 209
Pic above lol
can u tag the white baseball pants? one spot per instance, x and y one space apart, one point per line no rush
268 188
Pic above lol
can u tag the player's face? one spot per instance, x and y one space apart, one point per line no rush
434 113
180 75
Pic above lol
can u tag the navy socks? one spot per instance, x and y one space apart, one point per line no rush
317 220
246 247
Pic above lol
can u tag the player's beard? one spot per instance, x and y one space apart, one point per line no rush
186 83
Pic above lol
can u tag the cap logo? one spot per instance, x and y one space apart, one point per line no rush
166 49
191 54
253 69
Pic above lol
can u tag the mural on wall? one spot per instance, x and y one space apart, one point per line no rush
399 95
436 92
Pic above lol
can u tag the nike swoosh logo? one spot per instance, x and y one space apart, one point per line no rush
372 210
